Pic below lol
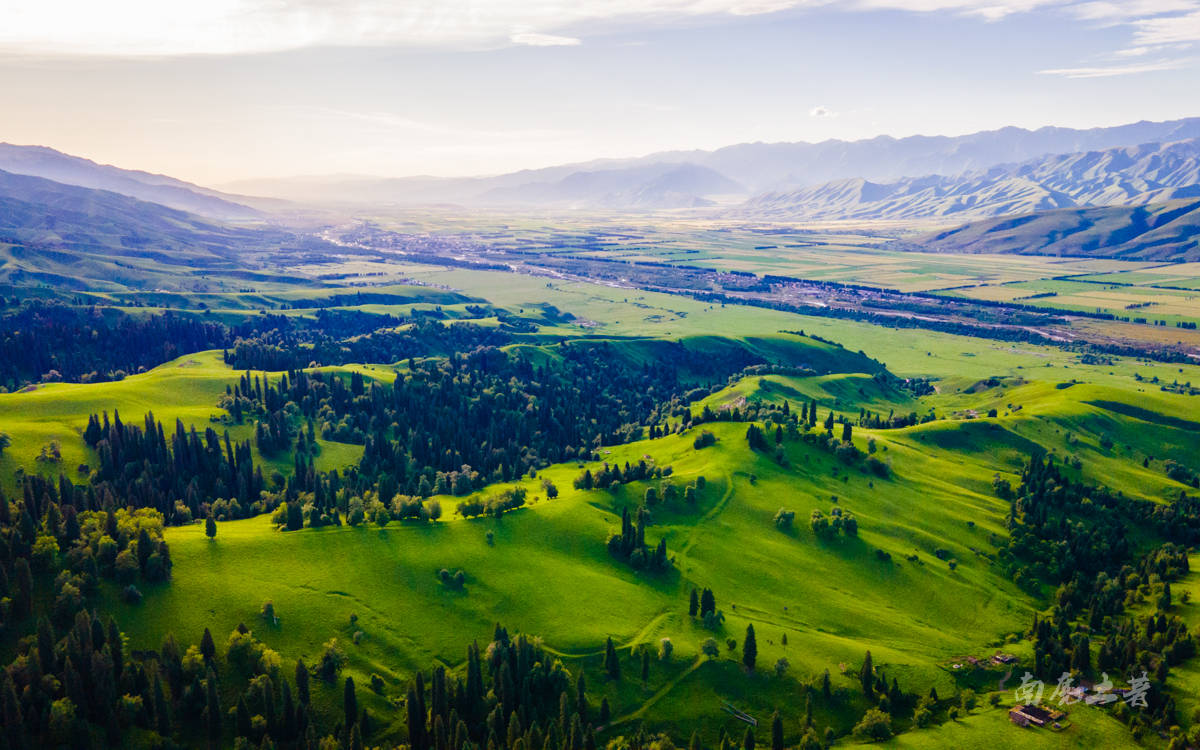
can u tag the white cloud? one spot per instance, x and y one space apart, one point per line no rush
1117 70
821 111
130 28
182 27
1127 10
1169 30
535 39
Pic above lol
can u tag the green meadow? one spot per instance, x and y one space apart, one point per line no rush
544 569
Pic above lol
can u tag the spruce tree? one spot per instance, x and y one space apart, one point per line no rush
776 731
350 702
867 677
693 604
210 527
208 649
612 664
212 709
302 682
749 648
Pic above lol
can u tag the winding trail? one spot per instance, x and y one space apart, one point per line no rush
666 688
642 636
712 513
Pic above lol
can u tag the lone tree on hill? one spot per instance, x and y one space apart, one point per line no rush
749 648
210 527
693 604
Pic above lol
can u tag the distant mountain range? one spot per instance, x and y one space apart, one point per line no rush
1131 191
1128 176
727 175
39 161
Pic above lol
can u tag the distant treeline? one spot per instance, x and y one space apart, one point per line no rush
1161 354
279 350
40 341
46 342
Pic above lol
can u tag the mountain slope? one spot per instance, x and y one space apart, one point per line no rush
39 161
655 186
82 238
1132 175
1167 231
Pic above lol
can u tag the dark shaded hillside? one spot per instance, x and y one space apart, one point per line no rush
64 234
39 161
1167 231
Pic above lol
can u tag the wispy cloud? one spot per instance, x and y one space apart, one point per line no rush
131 28
128 28
1131 10
821 111
1169 30
535 39
1118 70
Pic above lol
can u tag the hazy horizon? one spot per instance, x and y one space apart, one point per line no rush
460 89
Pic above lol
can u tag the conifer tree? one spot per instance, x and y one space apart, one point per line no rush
350 702
749 648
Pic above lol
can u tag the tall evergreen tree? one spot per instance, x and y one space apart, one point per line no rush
302 682
212 709
866 676
350 703
750 648
776 731
612 664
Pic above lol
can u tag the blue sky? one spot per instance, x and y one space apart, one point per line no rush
228 89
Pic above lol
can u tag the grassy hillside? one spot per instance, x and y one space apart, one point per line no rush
187 389
1168 231
546 570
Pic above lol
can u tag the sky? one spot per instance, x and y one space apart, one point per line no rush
215 91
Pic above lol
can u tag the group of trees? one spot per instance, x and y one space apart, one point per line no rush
49 341
349 336
828 527
182 479
630 544
1076 537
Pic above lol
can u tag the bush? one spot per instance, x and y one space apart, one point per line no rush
704 439
784 519
665 649
332 660
131 595
875 726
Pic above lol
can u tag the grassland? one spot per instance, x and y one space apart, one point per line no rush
186 389
547 572
1152 303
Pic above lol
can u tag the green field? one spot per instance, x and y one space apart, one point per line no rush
545 570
